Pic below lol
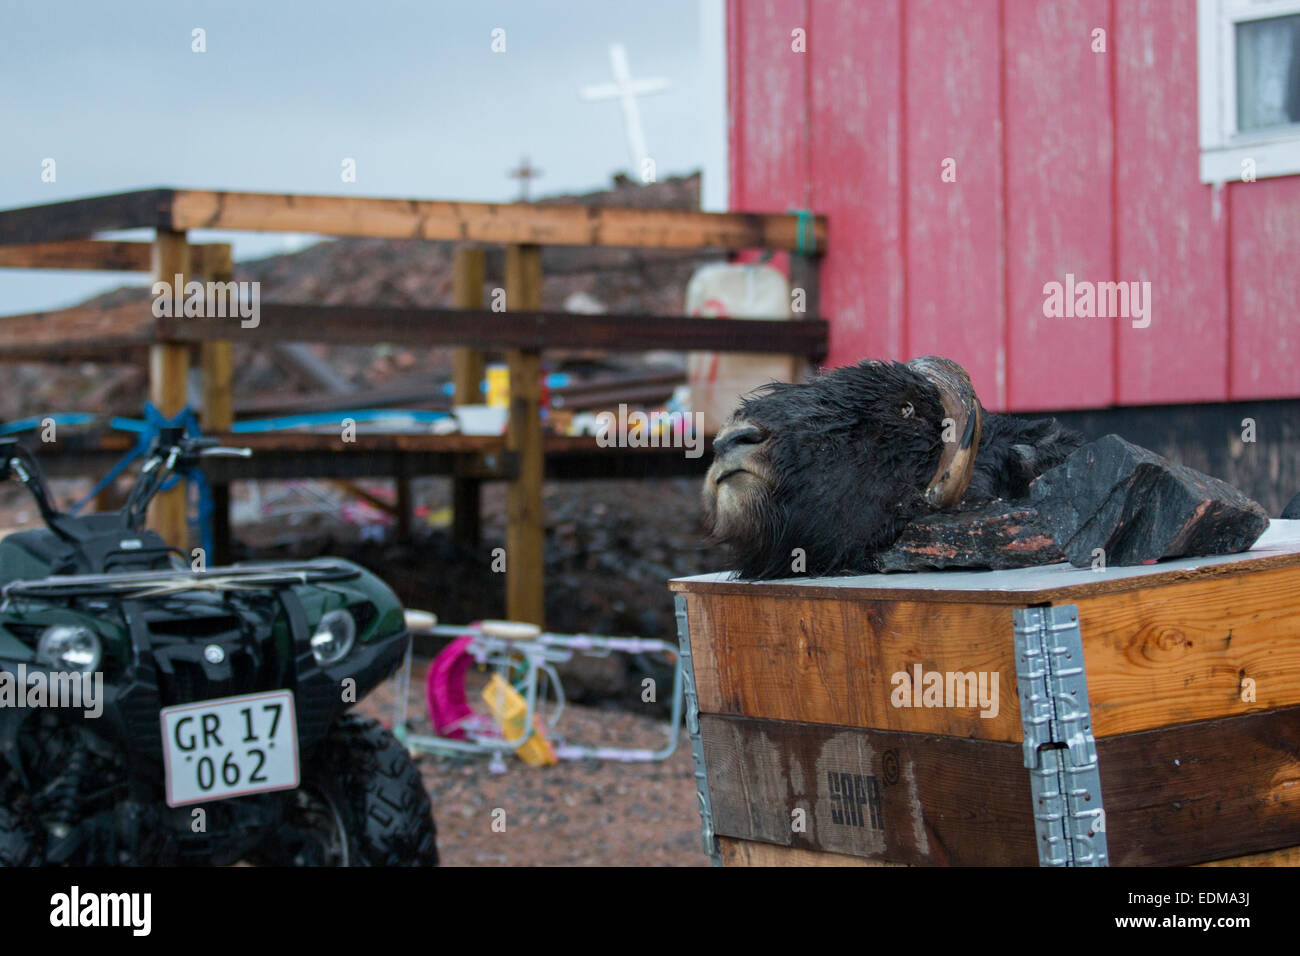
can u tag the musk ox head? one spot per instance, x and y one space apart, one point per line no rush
837 466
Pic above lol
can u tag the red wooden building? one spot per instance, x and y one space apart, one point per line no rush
970 152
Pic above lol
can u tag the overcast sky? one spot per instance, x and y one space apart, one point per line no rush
287 90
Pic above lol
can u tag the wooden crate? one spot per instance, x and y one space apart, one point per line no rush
1161 706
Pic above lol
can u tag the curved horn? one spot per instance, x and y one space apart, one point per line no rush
960 403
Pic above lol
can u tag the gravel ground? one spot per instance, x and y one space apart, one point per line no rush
575 813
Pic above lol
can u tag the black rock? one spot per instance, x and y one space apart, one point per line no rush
1137 506
1000 534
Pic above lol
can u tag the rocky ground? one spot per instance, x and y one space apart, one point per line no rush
575 813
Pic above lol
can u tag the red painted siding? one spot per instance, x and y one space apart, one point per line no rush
854 134
1058 154
956 276
1171 229
1263 334
1067 161
767 102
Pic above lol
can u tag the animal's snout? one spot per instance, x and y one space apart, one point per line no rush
736 436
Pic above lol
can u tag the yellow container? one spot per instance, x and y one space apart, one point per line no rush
509 708
498 386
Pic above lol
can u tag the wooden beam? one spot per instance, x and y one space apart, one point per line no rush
841 671
293 455
468 364
1184 651
380 504
168 388
1208 790
100 255
572 225
82 218
525 518
404 508
1289 856
525 329
467 375
891 796
559 224
751 853
1173 796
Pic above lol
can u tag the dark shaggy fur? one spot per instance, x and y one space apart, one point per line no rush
841 464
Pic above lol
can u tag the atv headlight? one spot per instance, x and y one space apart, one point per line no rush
69 648
334 636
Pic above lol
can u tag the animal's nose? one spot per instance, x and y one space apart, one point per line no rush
735 437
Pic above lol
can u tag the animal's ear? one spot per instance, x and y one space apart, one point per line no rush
962 406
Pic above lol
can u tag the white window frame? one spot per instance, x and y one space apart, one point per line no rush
1275 151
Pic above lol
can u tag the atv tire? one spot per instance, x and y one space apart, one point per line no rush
375 796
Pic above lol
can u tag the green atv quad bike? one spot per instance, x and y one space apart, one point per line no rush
151 714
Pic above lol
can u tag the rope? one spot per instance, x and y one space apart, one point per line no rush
32 424
148 430
806 233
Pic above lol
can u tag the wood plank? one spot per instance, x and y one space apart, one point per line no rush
1180 653
1215 790
102 255
1278 547
833 662
468 364
516 328
895 797
1204 791
81 218
751 853
1154 657
1290 856
524 223
525 517
169 365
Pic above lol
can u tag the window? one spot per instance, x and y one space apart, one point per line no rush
1249 72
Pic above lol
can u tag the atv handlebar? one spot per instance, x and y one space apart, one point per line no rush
17 462
171 452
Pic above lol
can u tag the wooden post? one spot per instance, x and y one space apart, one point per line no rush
405 516
169 365
467 375
218 363
525 559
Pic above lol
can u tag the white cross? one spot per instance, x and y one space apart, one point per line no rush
524 172
626 90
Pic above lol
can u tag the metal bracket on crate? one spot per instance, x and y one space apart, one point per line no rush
709 838
1059 748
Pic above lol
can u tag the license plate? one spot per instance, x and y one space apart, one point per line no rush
215 749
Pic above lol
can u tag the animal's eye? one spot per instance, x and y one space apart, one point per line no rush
906 410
